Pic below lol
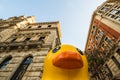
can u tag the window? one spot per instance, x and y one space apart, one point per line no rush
116 62
117 6
98 38
22 68
108 40
93 30
117 18
94 27
41 38
27 39
29 26
95 46
49 25
100 32
114 13
103 45
91 41
39 26
89 48
13 39
109 71
5 62
105 8
118 51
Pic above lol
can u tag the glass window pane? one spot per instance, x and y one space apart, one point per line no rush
114 12
104 9
22 68
5 62
118 18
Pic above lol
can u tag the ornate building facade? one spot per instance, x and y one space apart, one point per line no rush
103 42
24 45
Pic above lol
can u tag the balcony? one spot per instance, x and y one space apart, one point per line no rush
21 45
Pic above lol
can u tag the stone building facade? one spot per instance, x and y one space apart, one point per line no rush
24 45
103 42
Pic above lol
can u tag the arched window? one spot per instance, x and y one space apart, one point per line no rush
5 62
22 68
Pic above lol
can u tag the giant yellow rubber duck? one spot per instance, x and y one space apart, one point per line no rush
65 62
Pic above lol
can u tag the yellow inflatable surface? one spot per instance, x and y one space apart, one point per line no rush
65 62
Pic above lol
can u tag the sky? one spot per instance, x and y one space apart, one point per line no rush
74 15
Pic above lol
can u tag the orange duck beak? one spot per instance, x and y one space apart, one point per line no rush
68 60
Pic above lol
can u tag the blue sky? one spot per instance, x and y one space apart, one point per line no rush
74 15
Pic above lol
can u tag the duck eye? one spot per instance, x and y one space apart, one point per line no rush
56 49
80 51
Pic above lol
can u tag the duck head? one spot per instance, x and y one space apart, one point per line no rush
65 62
